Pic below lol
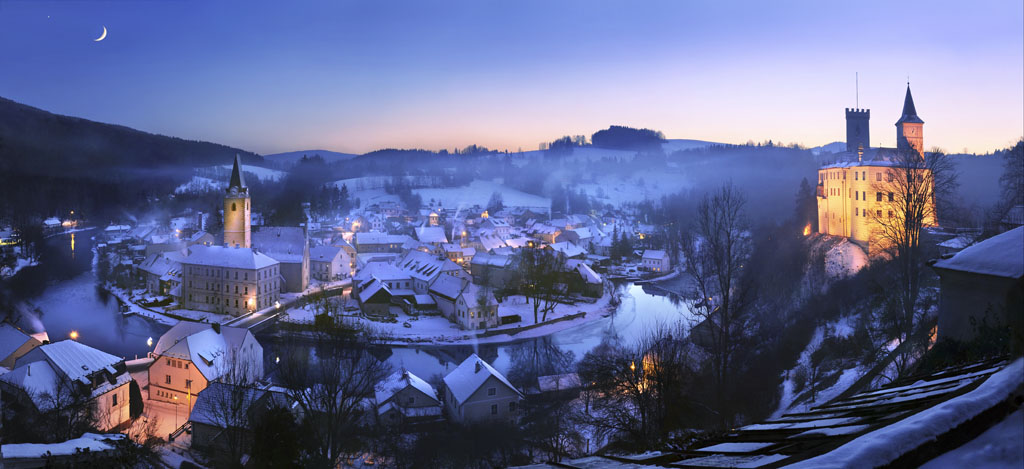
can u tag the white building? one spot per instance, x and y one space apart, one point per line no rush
327 263
190 355
655 261
476 392
47 378
404 396
229 280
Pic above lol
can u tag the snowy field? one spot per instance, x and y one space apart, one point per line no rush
637 187
478 193
263 174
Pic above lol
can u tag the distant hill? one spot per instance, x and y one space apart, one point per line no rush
680 144
292 156
834 147
34 141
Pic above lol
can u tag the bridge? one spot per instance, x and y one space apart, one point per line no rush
260 320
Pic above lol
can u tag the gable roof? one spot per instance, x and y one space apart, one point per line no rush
1000 256
282 243
655 254
202 345
229 257
400 380
447 286
324 253
465 379
71 359
11 339
431 234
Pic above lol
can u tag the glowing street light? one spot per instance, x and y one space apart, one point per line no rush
149 342
277 304
73 335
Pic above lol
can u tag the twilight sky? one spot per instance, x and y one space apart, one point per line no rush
357 76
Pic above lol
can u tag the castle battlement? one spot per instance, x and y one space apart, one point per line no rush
857 112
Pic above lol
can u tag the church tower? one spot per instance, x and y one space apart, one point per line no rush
910 128
857 134
237 218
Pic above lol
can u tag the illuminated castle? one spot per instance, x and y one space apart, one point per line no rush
856 195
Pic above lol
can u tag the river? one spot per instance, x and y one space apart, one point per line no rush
64 290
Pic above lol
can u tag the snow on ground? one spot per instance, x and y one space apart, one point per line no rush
368 197
883 446
263 174
1001 446
199 184
843 327
438 329
87 442
639 186
844 259
21 263
479 192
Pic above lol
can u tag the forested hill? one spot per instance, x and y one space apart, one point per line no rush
34 141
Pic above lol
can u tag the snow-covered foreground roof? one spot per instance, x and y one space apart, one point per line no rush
400 380
904 425
91 442
1001 256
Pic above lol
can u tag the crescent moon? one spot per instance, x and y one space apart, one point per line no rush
102 36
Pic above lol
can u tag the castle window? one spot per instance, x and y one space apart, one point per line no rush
856 211
878 196
878 213
856 195
855 176
878 177
890 213
890 197
233 207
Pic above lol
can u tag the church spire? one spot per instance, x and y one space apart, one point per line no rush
236 175
909 111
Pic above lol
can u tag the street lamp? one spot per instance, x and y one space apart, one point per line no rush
175 411
73 335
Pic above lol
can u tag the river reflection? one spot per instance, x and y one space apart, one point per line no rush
61 295
643 308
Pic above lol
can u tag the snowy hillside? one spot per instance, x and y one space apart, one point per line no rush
834 147
263 174
679 144
479 192
293 156
199 184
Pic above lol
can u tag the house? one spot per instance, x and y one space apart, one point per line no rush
327 263
499 227
655 261
223 405
468 305
544 232
375 299
49 376
983 284
405 397
379 242
494 270
161 272
288 246
567 249
190 355
584 279
476 392
13 344
433 235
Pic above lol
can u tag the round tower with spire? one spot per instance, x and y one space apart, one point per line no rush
237 218
910 128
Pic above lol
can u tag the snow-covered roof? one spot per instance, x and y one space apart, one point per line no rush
400 380
229 257
421 265
206 348
162 263
655 254
370 289
282 243
473 293
209 406
431 234
465 379
585 271
1000 256
447 286
88 442
74 360
324 253
494 260
383 271
379 238
567 248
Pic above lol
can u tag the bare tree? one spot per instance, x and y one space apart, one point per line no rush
716 249
906 200
541 283
67 411
229 403
330 376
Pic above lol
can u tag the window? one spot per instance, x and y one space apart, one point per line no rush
890 213
890 197
856 211
114 402
889 177
878 213
856 195
412 400
188 384
512 406
856 176
864 175
233 207
494 409
878 196
492 391
878 177
167 379
168 362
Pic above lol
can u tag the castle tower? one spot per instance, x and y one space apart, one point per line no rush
910 128
857 134
237 218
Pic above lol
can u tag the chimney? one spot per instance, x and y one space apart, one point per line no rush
478 366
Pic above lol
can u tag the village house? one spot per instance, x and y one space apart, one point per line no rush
378 242
375 299
655 261
229 280
47 377
190 355
406 398
982 286
493 270
290 248
161 273
213 412
432 235
476 392
466 304
327 263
